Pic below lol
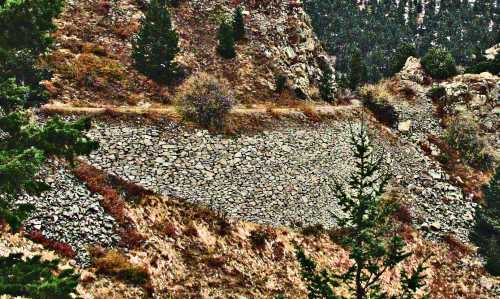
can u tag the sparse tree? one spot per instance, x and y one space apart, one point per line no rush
238 24
226 41
157 44
373 245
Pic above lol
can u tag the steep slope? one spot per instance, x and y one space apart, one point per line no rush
92 64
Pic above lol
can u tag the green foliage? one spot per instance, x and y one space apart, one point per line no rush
157 44
439 63
280 82
204 99
35 278
380 27
462 135
26 24
404 51
226 41
492 66
24 145
374 247
486 233
357 69
12 95
326 89
437 92
238 24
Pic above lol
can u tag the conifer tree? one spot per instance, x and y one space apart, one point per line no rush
326 89
373 245
35 278
358 70
24 145
226 41
157 44
238 24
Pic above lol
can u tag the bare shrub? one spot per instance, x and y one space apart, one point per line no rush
206 100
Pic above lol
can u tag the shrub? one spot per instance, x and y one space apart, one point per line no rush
12 95
439 63
34 278
380 107
226 41
492 66
486 232
280 82
238 24
258 238
462 136
404 51
437 93
314 230
114 263
205 99
157 44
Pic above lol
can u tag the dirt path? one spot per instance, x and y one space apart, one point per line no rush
171 111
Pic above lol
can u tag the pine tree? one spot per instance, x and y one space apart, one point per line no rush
226 41
326 88
358 70
238 24
35 278
24 145
374 247
26 24
157 44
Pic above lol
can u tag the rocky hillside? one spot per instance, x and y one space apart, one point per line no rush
92 64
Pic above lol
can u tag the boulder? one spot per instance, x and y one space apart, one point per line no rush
412 71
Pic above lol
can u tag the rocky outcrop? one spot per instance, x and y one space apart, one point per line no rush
412 71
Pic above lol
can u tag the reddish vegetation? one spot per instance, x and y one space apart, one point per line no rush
462 176
97 181
59 247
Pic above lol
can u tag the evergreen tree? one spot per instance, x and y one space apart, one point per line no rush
373 245
326 89
226 41
439 63
486 233
239 24
26 24
157 44
357 71
24 145
35 278
404 51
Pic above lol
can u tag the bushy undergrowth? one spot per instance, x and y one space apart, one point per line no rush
492 66
114 263
462 135
206 100
377 102
439 63
34 278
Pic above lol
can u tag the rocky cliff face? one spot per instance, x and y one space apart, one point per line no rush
92 63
